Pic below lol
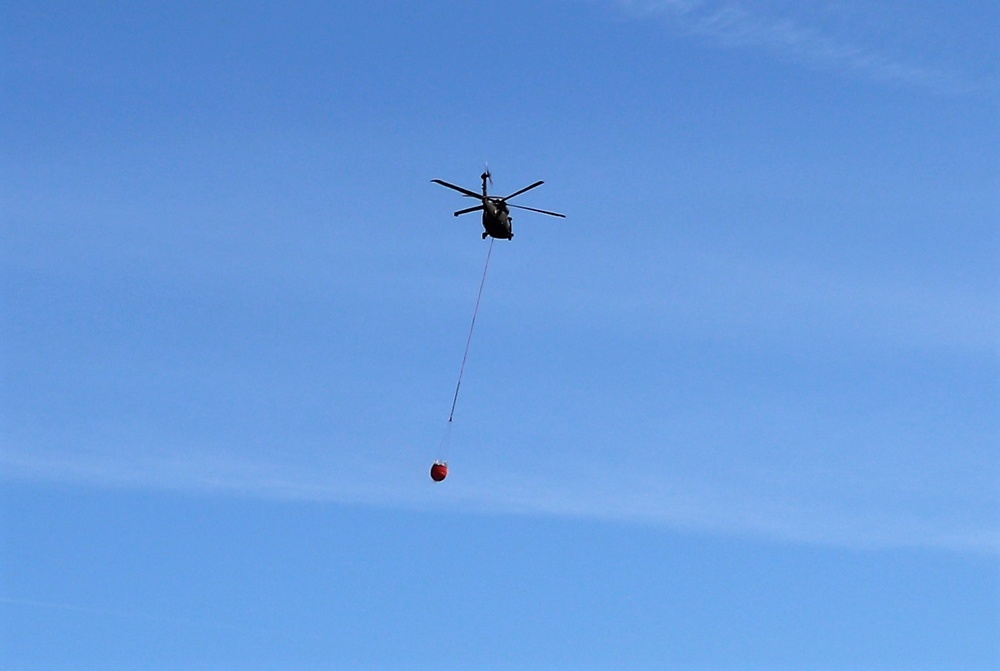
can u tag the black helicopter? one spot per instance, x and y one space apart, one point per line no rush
496 215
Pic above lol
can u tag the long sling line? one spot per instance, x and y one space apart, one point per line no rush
468 340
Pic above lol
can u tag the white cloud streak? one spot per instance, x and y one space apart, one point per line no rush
627 493
796 33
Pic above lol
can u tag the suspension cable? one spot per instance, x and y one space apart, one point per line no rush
468 340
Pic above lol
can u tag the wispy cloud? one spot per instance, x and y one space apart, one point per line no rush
640 493
800 32
84 611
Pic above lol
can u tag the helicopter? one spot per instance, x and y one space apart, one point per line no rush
496 215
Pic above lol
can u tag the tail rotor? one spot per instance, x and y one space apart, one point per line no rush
486 177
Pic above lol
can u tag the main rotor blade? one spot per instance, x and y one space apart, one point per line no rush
471 209
533 209
527 188
462 190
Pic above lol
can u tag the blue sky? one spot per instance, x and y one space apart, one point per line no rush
740 410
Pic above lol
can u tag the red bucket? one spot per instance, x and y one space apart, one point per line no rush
439 471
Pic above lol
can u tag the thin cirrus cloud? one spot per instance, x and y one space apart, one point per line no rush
820 35
643 498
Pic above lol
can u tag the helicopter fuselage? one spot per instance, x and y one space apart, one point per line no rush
497 221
